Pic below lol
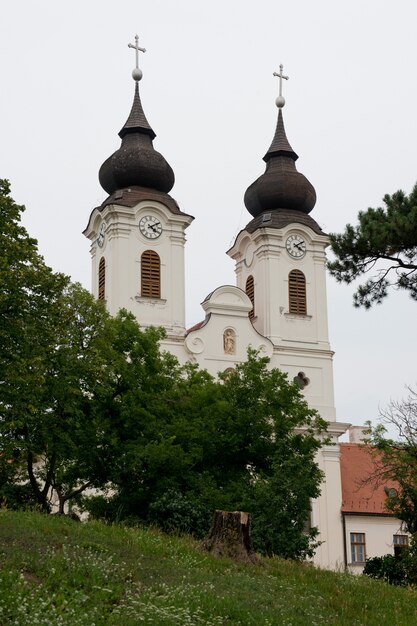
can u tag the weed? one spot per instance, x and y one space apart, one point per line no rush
56 572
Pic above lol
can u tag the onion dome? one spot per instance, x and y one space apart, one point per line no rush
136 162
281 187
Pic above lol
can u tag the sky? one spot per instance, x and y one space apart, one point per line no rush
208 92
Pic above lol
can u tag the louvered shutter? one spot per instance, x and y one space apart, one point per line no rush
297 292
150 275
102 279
250 292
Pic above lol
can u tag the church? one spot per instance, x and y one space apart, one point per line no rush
278 305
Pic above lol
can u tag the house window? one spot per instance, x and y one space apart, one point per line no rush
150 272
102 279
400 542
297 292
250 292
357 547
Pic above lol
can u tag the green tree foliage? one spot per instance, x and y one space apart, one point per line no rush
51 365
396 459
87 400
397 570
29 291
13 493
385 243
186 444
64 439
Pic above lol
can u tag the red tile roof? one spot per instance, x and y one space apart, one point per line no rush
195 327
198 325
357 465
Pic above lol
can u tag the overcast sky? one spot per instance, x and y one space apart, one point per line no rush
208 92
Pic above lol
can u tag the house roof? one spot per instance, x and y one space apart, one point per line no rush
361 491
280 219
281 187
135 194
197 326
136 162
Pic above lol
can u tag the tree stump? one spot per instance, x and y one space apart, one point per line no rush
230 536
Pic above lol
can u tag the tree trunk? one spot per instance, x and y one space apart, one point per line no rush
230 536
39 495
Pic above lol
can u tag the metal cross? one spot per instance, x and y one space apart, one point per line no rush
137 48
281 76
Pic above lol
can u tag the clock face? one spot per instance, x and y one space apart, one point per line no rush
150 227
101 234
296 246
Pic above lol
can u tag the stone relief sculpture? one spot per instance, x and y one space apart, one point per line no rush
229 341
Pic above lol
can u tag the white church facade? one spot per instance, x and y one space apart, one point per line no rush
278 305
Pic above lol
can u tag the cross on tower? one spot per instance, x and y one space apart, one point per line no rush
281 76
137 48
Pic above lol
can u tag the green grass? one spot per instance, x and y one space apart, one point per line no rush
55 571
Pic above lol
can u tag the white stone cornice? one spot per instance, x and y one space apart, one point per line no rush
118 230
177 238
303 349
337 429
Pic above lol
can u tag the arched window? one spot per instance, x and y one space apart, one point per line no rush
297 292
250 292
102 279
150 275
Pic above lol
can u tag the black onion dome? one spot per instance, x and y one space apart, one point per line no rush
281 187
136 162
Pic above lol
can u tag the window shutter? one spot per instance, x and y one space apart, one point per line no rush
102 279
150 275
297 292
250 292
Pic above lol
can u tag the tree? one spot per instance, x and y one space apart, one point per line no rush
29 293
49 393
396 459
395 569
63 438
27 286
188 444
88 400
385 242
284 475
53 369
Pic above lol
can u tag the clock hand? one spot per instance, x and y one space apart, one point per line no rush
299 245
153 227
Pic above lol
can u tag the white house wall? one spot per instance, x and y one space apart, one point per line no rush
294 343
227 308
122 249
325 512
379 531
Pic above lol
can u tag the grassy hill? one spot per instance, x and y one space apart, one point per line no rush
55 571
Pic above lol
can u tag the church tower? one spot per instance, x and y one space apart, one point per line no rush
138 233
281 265
279 306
